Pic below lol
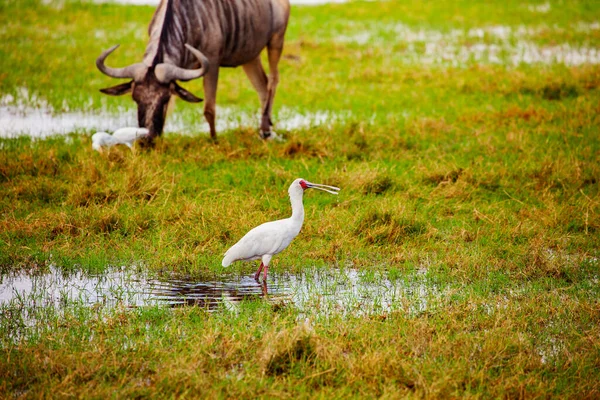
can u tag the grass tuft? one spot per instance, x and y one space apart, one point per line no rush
379 185
385 228
286 349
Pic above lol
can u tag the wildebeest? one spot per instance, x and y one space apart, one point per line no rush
216 33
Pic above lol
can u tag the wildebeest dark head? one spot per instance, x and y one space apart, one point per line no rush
153 86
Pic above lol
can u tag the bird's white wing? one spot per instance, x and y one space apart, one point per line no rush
129 134
264 239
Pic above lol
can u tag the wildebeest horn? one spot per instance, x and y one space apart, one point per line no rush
131 71
166 73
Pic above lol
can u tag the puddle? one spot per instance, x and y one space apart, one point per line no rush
39 120
314 291
492 44
43 122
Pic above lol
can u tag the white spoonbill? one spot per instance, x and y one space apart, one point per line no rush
126 136
272 238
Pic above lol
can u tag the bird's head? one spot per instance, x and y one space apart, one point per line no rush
300 185
101 139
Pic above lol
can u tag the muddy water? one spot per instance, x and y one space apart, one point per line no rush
323 291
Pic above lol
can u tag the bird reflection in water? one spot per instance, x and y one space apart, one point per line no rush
214 294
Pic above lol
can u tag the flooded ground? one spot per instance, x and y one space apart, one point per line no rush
512 46
24 116
494 44
323 291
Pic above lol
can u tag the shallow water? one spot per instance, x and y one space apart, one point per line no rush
324 291
494 44
39 120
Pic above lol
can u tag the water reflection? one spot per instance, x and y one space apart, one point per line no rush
213 294
315 290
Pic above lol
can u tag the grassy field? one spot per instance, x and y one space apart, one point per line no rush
465 138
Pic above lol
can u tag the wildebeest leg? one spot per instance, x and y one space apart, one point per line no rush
258 78
274 49
211 80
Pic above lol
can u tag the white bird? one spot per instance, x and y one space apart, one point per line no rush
271 238
101 139
126 136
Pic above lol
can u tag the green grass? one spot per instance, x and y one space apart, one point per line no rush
483 175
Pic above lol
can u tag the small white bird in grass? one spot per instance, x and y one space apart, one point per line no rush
272 238
101 139
126 136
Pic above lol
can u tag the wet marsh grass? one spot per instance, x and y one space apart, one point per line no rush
495 351
483 178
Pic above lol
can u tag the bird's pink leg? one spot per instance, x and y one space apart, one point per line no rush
266 268
265 289
257 275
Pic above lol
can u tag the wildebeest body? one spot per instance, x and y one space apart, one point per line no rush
224 33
